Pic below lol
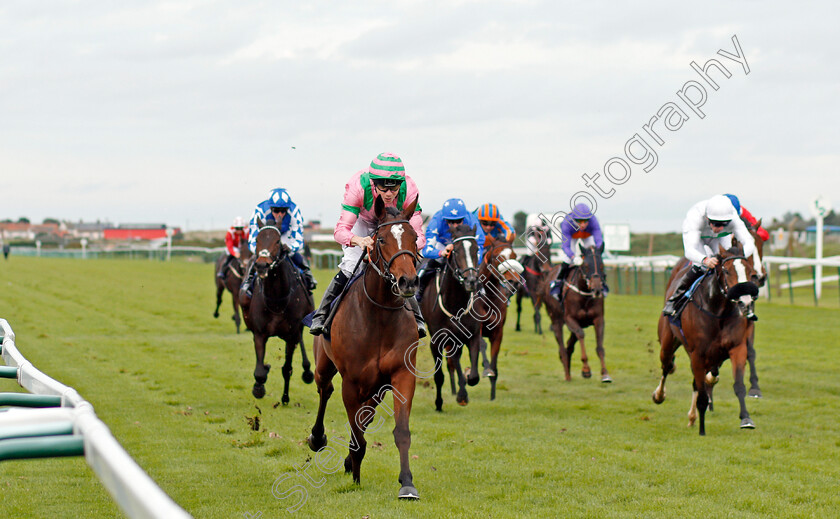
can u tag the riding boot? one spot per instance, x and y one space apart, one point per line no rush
249 279
305 271
423 276
561 277
222 273
421 323
337 285
672 305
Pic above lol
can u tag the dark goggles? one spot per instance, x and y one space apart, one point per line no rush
719 223
279 209
391 187
456 222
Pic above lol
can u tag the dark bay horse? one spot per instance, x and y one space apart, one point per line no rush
231 281
537 266
500 275
713 328
373 341
448 306
277 308
582 305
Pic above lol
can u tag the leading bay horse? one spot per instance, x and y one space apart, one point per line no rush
713 328
231 281
277 308
536 266
499 274
582 305
373 340
448 307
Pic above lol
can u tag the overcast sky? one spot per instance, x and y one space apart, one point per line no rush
188 113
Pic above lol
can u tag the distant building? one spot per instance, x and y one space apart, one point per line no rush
138 232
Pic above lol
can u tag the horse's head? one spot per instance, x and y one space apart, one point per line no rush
735 273
244 257
270 251
463 260
394 254
760 276
500 263
538 241
592 269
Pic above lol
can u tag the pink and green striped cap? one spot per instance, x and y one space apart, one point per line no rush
387 166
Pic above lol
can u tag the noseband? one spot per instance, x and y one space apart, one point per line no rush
723 286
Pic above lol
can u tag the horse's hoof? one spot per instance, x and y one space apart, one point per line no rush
658 401
473 381
586 374
216 314
606 379
488 373
258 391
755 392
747 423
285 400
307 377
316 445
348 465
408 492
711 379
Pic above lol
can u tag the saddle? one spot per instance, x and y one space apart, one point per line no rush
307 320
683 302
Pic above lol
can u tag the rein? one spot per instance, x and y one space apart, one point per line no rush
280 302
440 299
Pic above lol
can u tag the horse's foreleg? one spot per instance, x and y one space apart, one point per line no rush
738 358
307 375
450 367
325 370
437 360
403 388
473 376
700 399
599 325
576 335
557 327
495 347
235 298
261 369
220 289
518 309
287 370
358 445
755 391
538 316
668 345
461 398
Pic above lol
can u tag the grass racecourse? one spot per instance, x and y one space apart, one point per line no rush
137 339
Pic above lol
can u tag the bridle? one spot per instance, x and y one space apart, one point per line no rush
265 253
385 271
460 274
588 279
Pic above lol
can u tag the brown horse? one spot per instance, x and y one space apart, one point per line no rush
231 281
373 340
712 327
582 305
279 302
448 306
500 276
536 267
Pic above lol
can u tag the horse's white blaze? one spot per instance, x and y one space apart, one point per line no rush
741 271
397 231
467 245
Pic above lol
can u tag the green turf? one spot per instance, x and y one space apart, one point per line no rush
137 339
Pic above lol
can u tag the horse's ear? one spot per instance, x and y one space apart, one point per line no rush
408 211
581 247
758 224
379 208
472 230
601 248
260 223
721 251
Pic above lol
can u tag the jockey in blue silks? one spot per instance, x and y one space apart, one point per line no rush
578 227
439 238
280 211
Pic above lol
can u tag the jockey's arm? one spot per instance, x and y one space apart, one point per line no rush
693 246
